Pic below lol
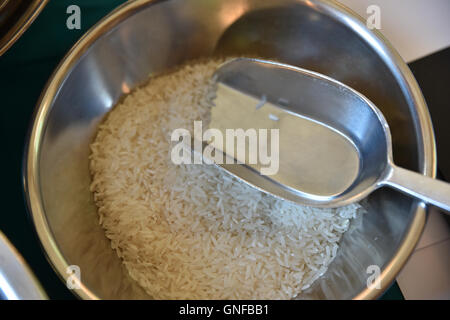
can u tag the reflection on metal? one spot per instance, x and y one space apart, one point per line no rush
17 282
231 12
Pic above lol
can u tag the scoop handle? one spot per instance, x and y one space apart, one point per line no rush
429 190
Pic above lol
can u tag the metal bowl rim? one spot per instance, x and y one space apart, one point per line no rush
23 24
30 169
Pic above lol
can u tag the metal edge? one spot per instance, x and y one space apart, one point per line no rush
31 156
28 285
23 24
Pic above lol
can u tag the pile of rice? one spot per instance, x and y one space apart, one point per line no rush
193 231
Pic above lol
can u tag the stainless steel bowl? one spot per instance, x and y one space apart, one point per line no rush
15 17
142 38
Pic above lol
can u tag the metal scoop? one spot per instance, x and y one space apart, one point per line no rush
334 144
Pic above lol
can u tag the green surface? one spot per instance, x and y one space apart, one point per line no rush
24 71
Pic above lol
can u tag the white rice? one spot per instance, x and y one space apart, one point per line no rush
193 231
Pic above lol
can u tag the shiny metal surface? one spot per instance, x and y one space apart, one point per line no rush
15 17
429 190
291 154
334 145
142 38
17 282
